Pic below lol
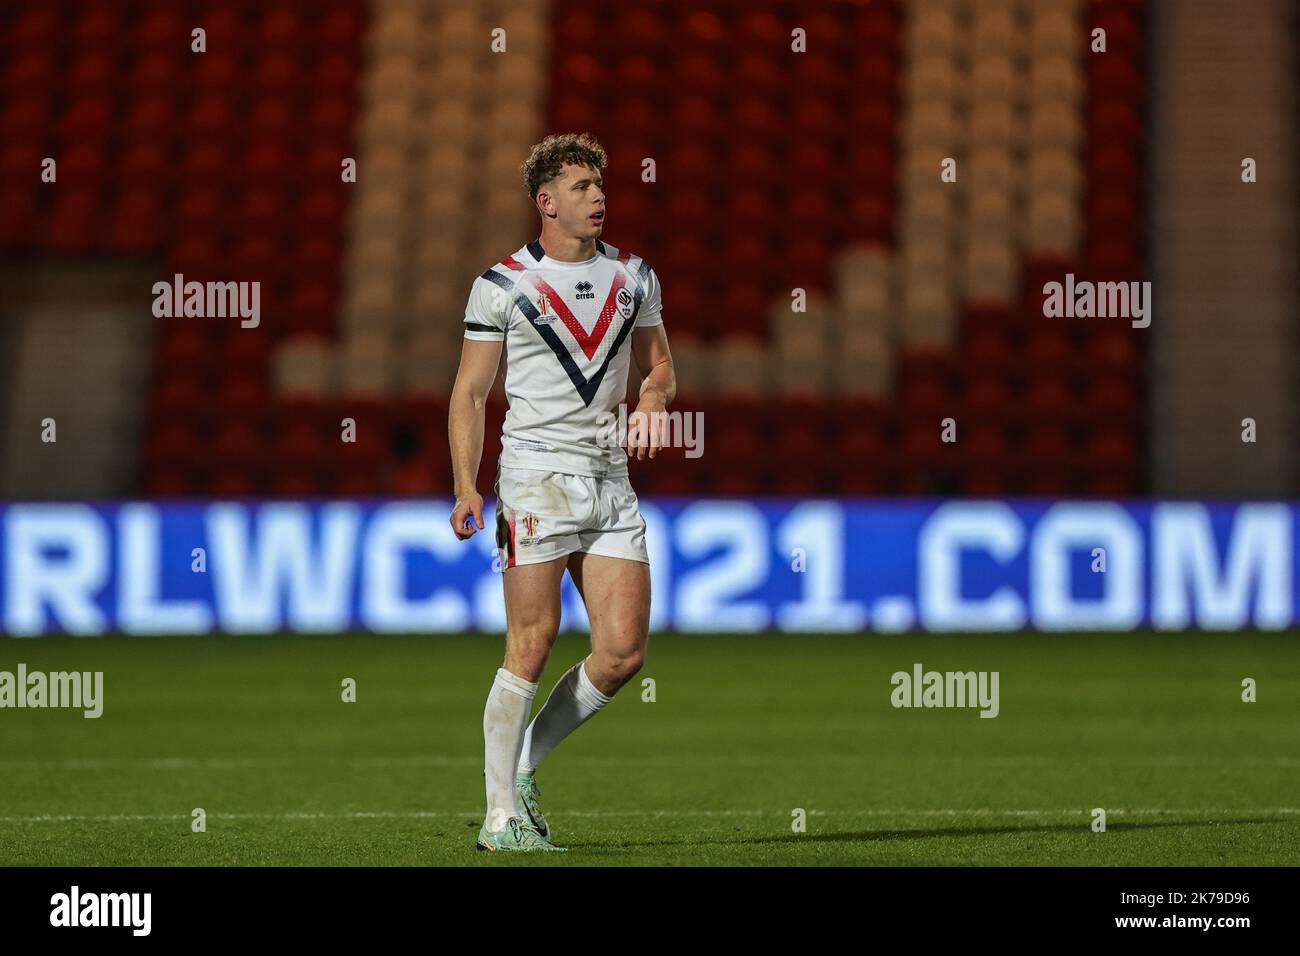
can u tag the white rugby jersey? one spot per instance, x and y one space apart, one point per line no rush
566 327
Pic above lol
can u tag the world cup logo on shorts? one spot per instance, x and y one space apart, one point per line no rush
530 524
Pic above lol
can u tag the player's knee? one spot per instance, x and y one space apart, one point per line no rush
528 648
620 668
631 664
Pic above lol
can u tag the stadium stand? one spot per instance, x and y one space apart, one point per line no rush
777 178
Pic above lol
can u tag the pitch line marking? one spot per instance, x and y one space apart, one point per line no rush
473 814
439 760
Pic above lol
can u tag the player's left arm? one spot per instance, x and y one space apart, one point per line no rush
658 388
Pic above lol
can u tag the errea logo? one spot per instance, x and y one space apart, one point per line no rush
583 290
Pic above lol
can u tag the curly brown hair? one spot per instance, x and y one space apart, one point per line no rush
546 159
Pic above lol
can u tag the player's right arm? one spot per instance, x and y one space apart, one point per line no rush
474 378
485 328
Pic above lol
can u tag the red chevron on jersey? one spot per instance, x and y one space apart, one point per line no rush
587 342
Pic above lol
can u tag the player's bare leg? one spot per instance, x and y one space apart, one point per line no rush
617 595
616 592
532 616
532 595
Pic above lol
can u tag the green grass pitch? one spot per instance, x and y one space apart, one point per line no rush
742 732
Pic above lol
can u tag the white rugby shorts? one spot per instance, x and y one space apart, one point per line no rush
543 515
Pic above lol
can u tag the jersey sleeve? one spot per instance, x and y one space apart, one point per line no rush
485 313
652 307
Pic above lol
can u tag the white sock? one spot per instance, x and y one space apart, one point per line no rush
509 702
574 698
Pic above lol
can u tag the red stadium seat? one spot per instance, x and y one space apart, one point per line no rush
161 27
74 223
339 28
985 482
330 118
218 73
18 209
230 481
91 73
138 221
242 397
160 482
35 29
282 29
86 120
31 71
294 481
983 445
24 120
1048 400
157 72
97 29
987 399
